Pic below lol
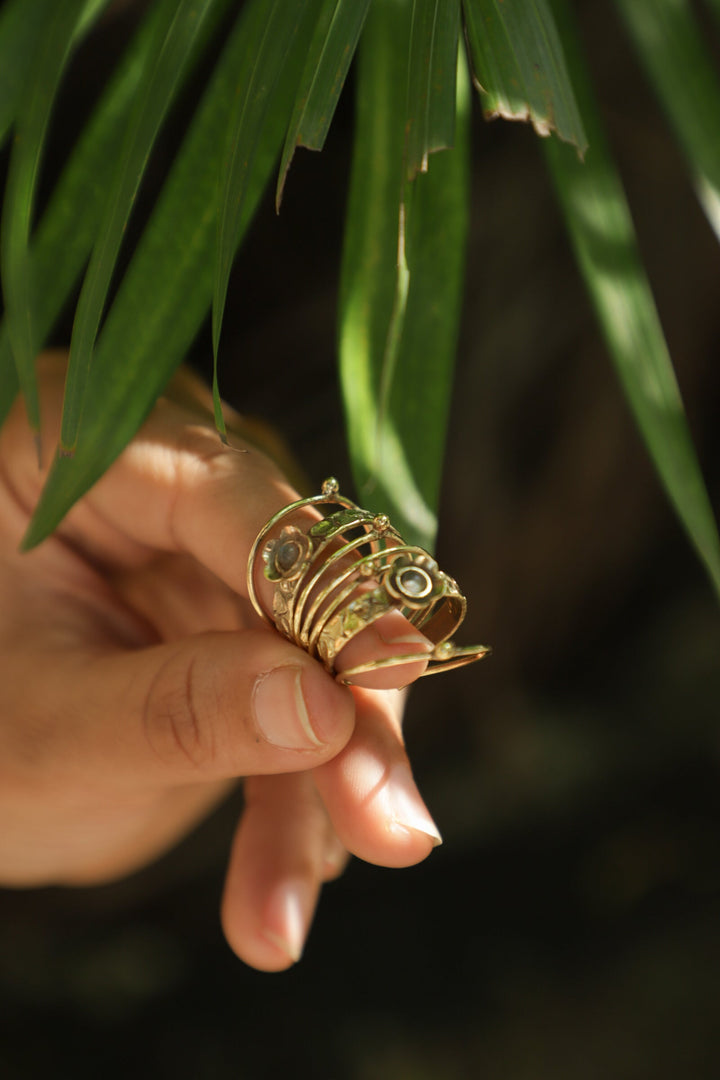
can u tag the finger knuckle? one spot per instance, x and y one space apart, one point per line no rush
180 713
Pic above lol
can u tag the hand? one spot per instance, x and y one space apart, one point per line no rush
137 685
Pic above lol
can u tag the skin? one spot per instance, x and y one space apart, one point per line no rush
137 685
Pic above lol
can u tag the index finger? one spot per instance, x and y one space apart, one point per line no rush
178 488
214 500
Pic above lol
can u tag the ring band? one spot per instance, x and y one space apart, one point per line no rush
341 574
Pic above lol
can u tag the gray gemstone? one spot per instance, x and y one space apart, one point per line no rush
287 555
414 583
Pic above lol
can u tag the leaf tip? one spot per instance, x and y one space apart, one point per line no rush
33 536
282 177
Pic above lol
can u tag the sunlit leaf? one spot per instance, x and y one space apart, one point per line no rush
400 288
63 238
432 80
167 290
92 10
179 27
670 44
603 237
60 31
332 48
519 67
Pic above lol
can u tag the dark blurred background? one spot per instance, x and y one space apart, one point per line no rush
569 928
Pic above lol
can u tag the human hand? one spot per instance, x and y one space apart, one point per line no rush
136 685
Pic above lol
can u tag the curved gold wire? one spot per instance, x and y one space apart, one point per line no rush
337 576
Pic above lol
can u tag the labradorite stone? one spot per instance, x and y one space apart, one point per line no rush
287 555
414 583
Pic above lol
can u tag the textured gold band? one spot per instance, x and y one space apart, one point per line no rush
334 578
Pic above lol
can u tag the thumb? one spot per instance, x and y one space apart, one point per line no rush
209 707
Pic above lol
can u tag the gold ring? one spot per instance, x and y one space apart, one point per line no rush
343 573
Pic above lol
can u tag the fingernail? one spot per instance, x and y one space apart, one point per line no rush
404 637
405 805
281 711
288 917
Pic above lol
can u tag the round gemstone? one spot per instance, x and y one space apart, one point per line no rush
330 487
287 555
414 583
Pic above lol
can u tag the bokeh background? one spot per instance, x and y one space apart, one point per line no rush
569 928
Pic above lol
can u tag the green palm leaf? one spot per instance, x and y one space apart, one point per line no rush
148 331
61 30
400 288
9 385
64 236
432 80
180 25
19 22
670 45
331 50
603 237
519 66
272 30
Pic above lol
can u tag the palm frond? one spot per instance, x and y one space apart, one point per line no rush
670 45
167 289
432 81
519 67
272 31
276 87
400 288
61 30
178 29
19 22
65 234
331 51
602 233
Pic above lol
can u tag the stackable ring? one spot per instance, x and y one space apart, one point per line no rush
334 578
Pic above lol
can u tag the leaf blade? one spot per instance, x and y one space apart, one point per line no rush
519 67
54 47
332 48
19 20
147 331
270 36
64 236
602 234
398 323
9 384
669 43
432 80
177 35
